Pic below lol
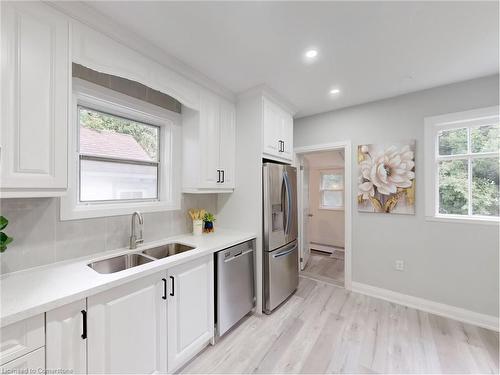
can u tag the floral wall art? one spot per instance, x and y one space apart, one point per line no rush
387 178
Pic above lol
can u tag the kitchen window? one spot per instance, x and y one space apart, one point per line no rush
119 158
462 162
124 155
332 190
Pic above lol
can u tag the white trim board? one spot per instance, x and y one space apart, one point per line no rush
447 311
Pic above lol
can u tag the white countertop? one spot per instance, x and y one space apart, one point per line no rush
33 291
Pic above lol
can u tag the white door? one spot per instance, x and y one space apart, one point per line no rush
227 150
127 328
306 250
190 310
35 78
66 344
210 139
272 122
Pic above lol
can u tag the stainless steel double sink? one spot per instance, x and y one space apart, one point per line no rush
126 261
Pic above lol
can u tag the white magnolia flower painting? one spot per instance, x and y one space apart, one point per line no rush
387 178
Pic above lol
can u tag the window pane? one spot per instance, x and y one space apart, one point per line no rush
332 199
102 181
485 139
110 136
453 187
485 187
453 142
332 181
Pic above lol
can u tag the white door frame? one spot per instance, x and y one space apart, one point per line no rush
346 146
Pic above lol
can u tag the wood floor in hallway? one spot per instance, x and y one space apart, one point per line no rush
325 267
327 329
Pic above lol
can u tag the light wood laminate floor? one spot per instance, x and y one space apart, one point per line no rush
325 267
327 329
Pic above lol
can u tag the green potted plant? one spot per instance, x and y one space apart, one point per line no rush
208 219
4 239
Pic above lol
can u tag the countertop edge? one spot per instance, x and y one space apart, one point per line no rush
153 267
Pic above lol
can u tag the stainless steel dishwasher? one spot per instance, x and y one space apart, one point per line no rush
234 294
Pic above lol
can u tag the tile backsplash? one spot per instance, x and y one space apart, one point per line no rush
41 238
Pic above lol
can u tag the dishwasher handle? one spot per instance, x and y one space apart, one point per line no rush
238 255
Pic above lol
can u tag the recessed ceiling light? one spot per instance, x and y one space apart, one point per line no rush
311 54
334 91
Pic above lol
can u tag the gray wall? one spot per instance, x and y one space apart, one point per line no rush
41 238
451 263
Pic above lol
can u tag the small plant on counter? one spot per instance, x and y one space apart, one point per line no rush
208 219
4 239
197 216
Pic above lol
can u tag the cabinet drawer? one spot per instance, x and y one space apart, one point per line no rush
31 363
20 338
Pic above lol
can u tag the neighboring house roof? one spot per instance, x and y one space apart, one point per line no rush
111 144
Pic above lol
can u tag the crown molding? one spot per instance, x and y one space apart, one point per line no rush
83 13
264 90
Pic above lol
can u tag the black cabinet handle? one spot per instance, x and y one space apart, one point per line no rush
84 321
223 176
173 286
218 173
164 289
282 146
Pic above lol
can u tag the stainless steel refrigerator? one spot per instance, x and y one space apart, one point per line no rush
281 258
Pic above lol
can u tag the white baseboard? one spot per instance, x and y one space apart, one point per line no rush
448 311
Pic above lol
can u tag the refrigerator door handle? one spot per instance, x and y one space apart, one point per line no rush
288 203
282 254
284 197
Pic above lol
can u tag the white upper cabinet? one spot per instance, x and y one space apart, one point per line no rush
190 310
127 328
209 137
35 91
277 132
227 143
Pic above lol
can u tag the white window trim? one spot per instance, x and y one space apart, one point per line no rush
323 171
433 125
100 98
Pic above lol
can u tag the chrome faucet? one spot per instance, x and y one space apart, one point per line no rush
134 241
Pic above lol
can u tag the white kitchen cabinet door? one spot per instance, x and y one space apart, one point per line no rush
35 91
209 141
20 338
127 328
287 136
190 310
227 146
31 363
277 132
66 343
271 128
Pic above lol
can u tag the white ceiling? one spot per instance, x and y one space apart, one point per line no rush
370 50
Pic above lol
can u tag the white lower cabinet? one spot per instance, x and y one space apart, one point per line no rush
21 338
66 338
31 363
190 310
127 328
152 325
22 347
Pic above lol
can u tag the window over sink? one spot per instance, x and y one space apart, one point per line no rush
119 158
124 155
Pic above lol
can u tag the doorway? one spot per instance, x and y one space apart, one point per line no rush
324 203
